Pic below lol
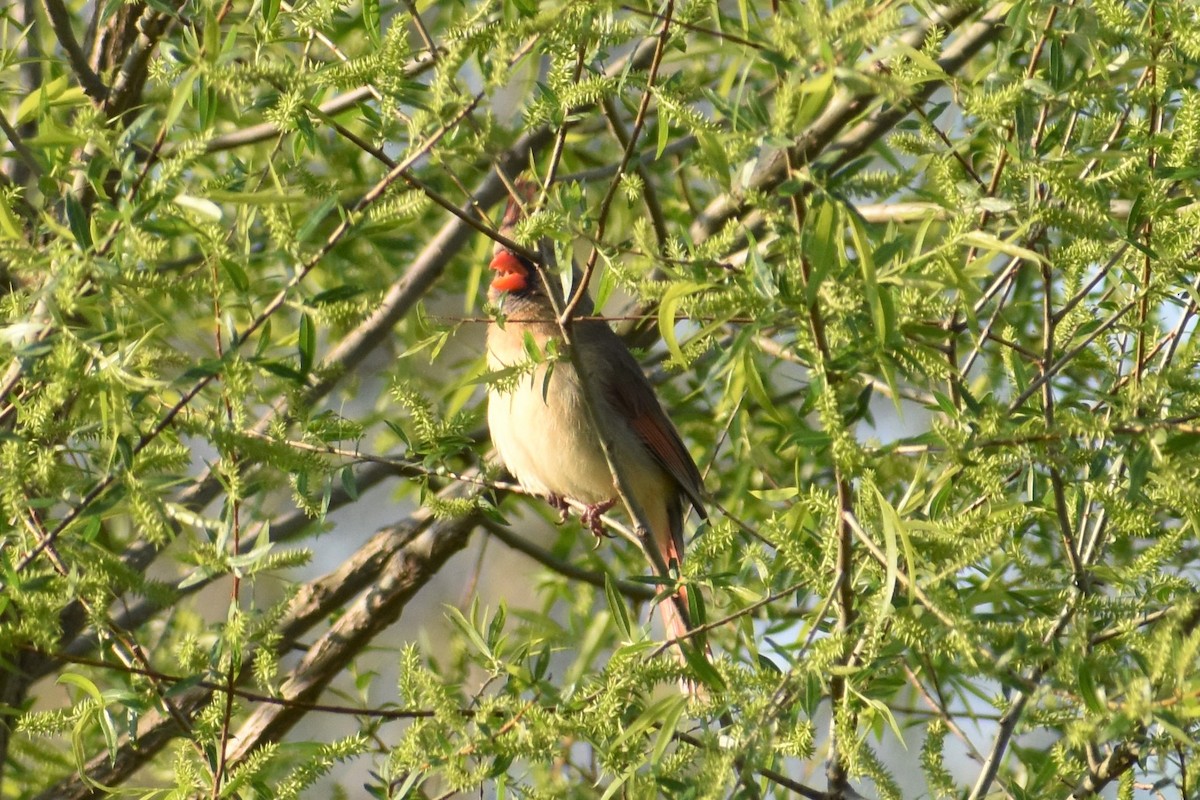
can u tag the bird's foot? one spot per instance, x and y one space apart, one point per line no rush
559 505
591 518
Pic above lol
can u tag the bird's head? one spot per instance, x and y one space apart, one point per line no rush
516 279
518 286
515 274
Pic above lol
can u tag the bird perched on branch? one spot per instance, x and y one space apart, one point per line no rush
543 430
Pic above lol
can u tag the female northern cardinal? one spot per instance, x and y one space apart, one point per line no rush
545 436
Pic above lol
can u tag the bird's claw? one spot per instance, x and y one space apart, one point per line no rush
591 518
559 505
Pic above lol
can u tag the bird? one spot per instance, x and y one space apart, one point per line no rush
541 427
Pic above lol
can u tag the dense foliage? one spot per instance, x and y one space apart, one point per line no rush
916 282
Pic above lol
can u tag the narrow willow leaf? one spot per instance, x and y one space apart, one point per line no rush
891 526
77 219
616 784
701 668
866 263
10 225
992 243
667 308
1088 691
56 93
306 343
203 208
618 608
668 722
315 218
468 630
237 275
817 92
755 386
822 247
80 682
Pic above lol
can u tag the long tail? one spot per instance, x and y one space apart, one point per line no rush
675 610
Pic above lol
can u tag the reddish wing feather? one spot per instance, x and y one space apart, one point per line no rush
666 446
635 400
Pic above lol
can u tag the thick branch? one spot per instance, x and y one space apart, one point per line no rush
821 135
402 576
1119 760
408 554
60 22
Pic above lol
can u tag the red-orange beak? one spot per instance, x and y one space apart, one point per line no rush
511 274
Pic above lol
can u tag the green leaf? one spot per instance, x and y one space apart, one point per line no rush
246 563
212 34
337 294
315 219
279 368
496 626
701 668
991 243
617 783
713 146
456 617
816 93
866 263
237 275
885 712
77 219
1136 216
306 343
891 525
822 245
349 483
617 607
201 207
1092 696
761 275
414 779
668 723
206 101
370 23
80 682
499 765
10 224
775 495
668 307
265 197
651 715
56 93
755 386
930 66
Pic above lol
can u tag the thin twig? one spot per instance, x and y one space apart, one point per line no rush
639 121
649 194
736 615
634 591
23 152
345 226
1069 356
728 37
222 687
827 133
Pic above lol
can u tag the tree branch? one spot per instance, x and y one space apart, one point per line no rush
60 22
402 575
823 134
634 591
